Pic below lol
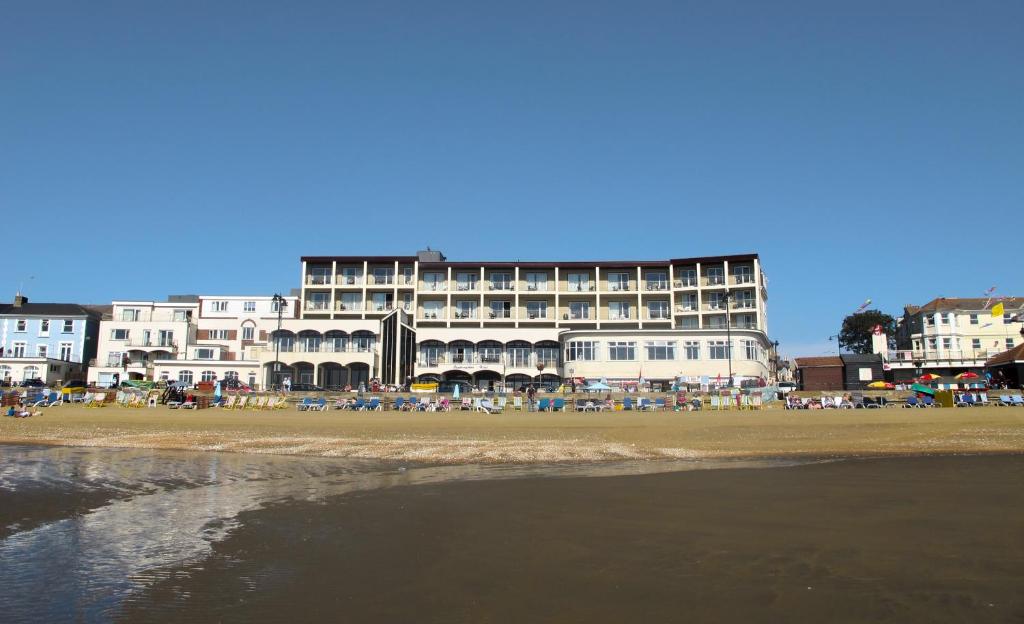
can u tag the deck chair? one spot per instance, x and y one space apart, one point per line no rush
467 404
243 401
1018 400
272 403
643 405
304 405
398 403
360 405
56 398
413 403
911 402
188 404
229 402
627 404
558 405
444 405
98 399
1004 400
502 402
928 401
487 406
544 405
319 406
660 404
517 403
374 405
757 401
716 402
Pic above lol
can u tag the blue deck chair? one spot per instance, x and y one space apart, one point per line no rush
659 404
305 405
360 405
928 401
1005 400
399 402
1017 399
911 402
627 404
558 405
374 405
544 405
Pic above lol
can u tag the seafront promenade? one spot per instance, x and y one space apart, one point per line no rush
475 437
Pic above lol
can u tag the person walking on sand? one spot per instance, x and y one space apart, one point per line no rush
287 384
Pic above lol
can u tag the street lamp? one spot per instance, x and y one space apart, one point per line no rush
838 340
281 303
540 372
775 358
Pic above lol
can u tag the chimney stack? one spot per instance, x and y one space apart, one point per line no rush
20 300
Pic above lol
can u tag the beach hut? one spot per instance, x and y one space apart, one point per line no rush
859 370
820 373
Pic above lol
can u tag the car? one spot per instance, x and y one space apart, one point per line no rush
305 387
785 387
33 383
74 386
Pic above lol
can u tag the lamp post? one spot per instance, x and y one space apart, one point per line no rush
775 358
280 302
540 372
838 340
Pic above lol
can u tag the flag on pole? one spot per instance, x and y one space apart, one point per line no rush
997 309
863 306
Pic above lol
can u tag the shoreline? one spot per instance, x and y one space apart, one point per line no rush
524 438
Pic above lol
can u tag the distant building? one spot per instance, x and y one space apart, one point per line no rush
952 335
820 373
49 341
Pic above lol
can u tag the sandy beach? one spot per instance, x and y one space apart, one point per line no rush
471 437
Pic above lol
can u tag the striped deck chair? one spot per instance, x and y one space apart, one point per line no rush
517 403
229 402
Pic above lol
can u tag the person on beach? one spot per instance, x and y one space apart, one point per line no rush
680 400
531 397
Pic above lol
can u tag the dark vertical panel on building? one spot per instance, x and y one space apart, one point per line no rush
408 354
389 346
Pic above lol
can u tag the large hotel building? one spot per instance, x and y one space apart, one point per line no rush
424 318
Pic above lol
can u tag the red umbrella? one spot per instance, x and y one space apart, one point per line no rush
967 375
928 377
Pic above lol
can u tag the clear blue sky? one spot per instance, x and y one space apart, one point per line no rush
870 149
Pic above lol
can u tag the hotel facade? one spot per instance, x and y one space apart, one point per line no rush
423 318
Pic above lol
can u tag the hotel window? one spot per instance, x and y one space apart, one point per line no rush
976 343
489 354
947 343
621 351
579 282
691 349
207 376
166 338
218 334
248 332
318 301
466 281
928 320
547 356
363 341
688 302
744 321
715 322
618 310
688 277
657 280
716 275
407 301
581 350
249 306
383 275
743 274
661 350
461 353
716 301
750 349
579 310
1009 343
119 334
744 299
182 315
518 356
433 281
335 342
41 351
44 327
974 319
185 376
501 281
689 322
204 353
536 281
66 349
130 314
657 310
407 276
382 302
465 309
618 281
69 326
718 349
933 344
537 309
318 275
431 355
349 276
351 301
501 309
21 325
220 306
433 309
18 349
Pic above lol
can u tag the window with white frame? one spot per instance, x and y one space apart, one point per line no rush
689 322
744 299
657 310
718 349
745 321
248 332
466 280
716 301
207 375
44 327
621 351
318 301
691 349
536 281
350 302
581 350
547 356
318 275
537 309
219 334
41 350
1009 343
230 374
205 353
579 310
947 343
489 354
716 275
349 276
115 358
743 274
974 319
30 372
501 309
130 314
119 334
21 325
976 343
407 275
660 350
433 281
518 356
717 321
688 302
69 326
933 344
618 280
657 280
220 306
501 281
688 277
383 275
185 376
363 341
66 351
180 315
248 306
618 310
431 354
382 301
433 309
578 282
465 309
751 350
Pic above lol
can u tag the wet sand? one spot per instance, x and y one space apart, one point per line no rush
928 539
470 437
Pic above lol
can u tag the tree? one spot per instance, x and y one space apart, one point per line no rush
858 328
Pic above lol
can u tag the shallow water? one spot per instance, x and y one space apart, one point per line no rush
90 528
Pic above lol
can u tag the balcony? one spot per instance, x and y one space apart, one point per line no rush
742 279
466 286
935 355
323 347
500 286
466 315
657 286
349 307
381 307
433 287
537 316
581 288
576 316
619 287
661 315
350 280
318 280
715 280
317 306
152 344
381 280
500 314
619 316
432 316
537 287
686 282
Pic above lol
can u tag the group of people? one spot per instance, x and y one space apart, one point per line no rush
20 411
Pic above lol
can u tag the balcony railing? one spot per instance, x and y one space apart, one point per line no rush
581 288
657 285
350 280
537 315
466 315
349 307
500 286
743 279
162 344
933 355
658 316
318 280
619 287
465 286
317 306
434 287
619 317
381 280
537 287
494 359
432 316
321 348
688 282
500 314
715 280
576 316
685 308
381 307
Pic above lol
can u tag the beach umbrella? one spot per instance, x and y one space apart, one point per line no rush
598 386
928 376
924 389
883 385
967 375
455 393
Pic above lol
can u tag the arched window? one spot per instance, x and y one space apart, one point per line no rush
207 376
248 330
363 341
335 341
31 372
185 376
285 341
5 372
489 351
309 341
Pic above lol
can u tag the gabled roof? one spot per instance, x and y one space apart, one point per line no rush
47 309
1015 354
972 304
819 362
